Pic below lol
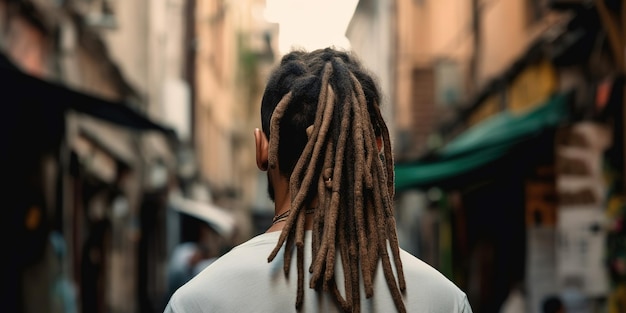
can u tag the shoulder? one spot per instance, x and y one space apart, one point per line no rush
215 288
427 275
426 285
243 260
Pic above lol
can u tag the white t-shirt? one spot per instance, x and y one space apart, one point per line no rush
243 281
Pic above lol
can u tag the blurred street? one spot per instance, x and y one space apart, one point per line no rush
128 154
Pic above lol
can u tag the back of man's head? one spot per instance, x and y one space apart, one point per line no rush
301 74
320 111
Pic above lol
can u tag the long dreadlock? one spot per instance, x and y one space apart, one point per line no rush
321 113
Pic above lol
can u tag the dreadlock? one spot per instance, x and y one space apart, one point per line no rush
321 113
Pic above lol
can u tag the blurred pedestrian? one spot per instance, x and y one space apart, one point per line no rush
515 302
553 304
332 246
190 257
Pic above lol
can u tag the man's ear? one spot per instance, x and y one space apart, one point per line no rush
379 143
262 148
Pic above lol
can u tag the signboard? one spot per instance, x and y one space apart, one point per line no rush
581 231
581 250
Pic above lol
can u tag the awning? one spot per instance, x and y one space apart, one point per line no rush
222 221
482 144
116 141
34 114
22 90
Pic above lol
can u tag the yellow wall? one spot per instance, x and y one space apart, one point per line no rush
487 108
532 87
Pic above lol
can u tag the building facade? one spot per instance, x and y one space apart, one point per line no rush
512 168
112 70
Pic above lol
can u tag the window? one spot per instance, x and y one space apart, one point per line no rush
101 14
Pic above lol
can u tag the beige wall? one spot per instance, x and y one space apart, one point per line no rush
214 90
427 31
371 35
148 45
227 103
128 42
507 32
432 30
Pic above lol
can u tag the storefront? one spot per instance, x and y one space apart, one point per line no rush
502 188
78 170
487 168
530 194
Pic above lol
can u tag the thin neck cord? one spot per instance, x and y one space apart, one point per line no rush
283 216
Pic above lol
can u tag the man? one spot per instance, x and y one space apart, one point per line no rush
327 154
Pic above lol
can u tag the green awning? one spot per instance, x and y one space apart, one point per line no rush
482 144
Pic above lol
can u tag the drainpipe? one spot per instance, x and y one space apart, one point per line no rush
477 43
190 43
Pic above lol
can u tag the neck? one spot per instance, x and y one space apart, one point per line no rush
282 205
282 197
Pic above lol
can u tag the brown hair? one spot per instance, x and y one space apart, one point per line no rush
329 93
